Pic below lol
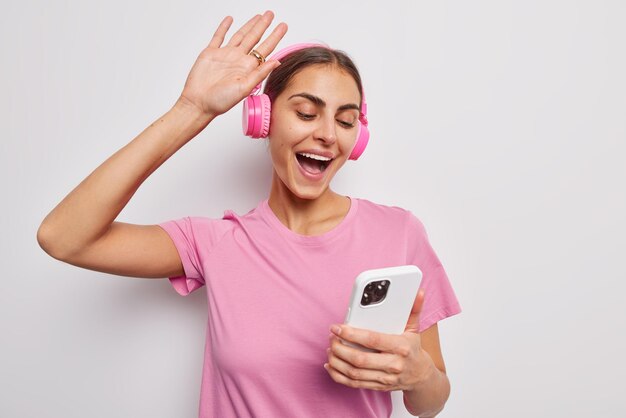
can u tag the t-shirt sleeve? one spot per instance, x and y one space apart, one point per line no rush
194 238
440 301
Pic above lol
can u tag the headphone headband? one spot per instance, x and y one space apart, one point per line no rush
286 51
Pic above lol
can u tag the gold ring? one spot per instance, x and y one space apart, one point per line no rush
257 55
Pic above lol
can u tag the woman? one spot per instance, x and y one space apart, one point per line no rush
279 277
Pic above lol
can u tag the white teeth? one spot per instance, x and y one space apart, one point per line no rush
314 156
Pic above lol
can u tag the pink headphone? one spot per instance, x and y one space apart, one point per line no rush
257 109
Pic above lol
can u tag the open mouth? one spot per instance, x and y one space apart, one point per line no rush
312 165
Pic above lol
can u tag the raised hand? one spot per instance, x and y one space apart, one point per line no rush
223 75
399 364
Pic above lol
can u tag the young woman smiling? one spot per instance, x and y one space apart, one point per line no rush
277 278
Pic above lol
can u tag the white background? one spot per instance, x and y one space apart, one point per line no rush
500 124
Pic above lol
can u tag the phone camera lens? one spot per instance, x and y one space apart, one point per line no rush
366 299
374 292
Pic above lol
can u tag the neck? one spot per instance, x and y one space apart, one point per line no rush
301 214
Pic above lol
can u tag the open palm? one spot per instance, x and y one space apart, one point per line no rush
223 75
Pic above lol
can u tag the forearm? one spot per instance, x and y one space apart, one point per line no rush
87 212
429 396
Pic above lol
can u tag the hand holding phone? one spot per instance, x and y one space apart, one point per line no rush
386 302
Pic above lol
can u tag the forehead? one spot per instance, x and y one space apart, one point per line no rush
331 83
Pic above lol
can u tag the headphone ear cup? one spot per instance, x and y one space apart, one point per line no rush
266 112
256 116
362 138
247 116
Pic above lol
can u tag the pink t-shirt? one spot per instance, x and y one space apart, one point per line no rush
273 294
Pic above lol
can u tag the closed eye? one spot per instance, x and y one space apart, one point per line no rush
308 117
305 116
346 124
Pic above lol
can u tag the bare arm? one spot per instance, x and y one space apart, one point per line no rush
81 229
85 216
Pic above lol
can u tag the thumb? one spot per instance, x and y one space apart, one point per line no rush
413 324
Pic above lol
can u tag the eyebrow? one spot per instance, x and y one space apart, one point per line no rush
321 103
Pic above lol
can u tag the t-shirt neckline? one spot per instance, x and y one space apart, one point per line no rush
292 236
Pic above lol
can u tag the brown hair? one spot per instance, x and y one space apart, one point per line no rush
291 64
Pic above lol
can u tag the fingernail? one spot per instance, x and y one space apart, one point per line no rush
336 330
326 366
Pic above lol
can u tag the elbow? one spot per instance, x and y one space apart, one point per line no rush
48 242
44 239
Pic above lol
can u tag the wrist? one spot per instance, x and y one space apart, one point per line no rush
428 371
190 110
427 397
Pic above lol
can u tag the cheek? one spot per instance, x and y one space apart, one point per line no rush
348 139
288 134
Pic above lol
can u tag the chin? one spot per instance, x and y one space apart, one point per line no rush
308 193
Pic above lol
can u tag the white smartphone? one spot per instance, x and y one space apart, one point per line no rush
382 299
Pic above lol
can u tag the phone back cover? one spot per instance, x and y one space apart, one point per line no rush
391 314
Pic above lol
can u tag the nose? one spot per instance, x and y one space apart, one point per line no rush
326 129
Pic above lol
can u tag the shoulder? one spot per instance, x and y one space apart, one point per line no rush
229 220
388 214
199 223
198 227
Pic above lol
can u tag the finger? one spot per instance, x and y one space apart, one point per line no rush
220 33
259 74
359 359
360 374
268 45
239 35
413 324
344 380
253 35
387 343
